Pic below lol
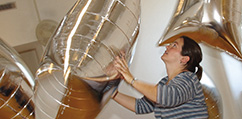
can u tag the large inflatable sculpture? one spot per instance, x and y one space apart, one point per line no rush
16 85
76 75
213 22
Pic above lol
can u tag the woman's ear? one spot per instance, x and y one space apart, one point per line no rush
185 59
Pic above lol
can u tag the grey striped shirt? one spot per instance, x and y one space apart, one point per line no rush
181 98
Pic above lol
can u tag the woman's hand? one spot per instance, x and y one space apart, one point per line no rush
122 67
148 90
111 73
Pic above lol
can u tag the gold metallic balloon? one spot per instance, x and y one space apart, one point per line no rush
212 98
16 85
213 22
213 102
76 76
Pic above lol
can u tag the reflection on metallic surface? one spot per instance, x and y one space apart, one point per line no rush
44 30
89 99
214 22
212 98
84 45
214 111
16 85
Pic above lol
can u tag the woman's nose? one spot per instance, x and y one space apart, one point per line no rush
167 46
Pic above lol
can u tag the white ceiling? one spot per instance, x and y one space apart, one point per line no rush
18 25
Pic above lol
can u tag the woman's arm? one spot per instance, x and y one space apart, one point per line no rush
124 100
148 90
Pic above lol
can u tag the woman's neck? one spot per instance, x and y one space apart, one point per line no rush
173 71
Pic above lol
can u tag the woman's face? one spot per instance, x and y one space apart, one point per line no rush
173 51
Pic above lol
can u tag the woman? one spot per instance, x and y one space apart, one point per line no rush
179 94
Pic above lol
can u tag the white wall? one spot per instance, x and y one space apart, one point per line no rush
17 26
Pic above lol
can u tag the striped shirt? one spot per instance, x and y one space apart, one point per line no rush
181 98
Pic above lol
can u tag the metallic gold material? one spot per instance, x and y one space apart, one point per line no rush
214 22
16 85
80 51
214 111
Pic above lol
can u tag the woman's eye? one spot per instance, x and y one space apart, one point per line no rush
173 45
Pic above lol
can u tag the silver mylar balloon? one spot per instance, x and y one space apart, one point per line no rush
16 85
214 22
72 79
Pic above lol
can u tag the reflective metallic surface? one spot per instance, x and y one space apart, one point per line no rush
16 85
212 98
76 76
214 22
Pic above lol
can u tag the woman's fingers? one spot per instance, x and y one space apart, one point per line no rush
120 63
124 62
123 59
122 67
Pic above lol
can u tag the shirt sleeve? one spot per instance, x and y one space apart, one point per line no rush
143 106
178 91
